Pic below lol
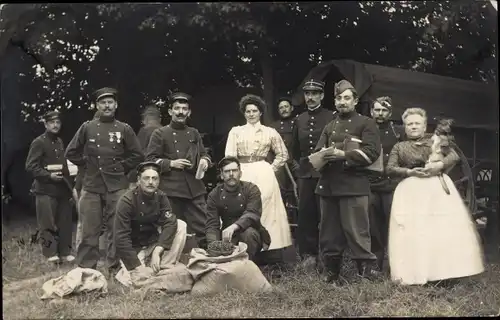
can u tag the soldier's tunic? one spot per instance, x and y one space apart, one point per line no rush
145 221
344 188
284 127
108 149
185 192
53 208
242 206
306 133
382 190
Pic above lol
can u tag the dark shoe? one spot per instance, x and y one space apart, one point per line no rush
366 270
331 273
380 261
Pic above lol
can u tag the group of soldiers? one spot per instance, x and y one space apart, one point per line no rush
144 192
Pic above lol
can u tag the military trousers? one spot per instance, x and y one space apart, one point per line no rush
308 217
97 212
251 237
194 213
54 218
345 223
380 210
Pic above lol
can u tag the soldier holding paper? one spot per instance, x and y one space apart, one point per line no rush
47 164
344 187
179 149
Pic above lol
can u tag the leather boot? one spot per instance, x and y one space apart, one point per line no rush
366 270
331 272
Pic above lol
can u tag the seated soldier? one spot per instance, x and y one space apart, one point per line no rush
145 227
238 204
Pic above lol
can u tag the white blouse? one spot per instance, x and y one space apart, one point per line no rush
256 140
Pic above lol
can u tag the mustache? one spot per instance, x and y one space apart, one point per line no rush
180 115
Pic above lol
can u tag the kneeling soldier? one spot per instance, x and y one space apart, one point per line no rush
238 204
145 227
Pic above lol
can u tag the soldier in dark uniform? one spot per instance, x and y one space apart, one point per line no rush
238 204
146 229
47 164
151 120
344 186
108 149
284 126
382 186
179 150
306 132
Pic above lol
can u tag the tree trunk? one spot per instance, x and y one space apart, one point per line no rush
266 64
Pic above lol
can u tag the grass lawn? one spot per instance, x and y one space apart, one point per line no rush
296 294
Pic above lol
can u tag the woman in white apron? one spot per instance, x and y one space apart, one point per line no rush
431 233
251 143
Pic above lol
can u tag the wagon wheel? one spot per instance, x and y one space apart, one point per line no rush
463 179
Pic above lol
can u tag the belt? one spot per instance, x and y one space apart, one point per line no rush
250 159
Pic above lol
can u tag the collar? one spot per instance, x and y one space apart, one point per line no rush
144 195
103 118
234 189
51 136
314 110
256 126
347 115
177 125
383 125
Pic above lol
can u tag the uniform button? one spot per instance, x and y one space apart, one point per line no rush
98 157
175 133
177 151
333 131
387 132
311 129
142 214
321 187
223 197
336 122
282 128
98 134
386 154
143 202
98 124
346 130
310 142
310 136
281 122
175 141
241 205
312 118
114 147
100 168
349 120
98 146
115 125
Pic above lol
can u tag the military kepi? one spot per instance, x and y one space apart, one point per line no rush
148 164
179 96
313 85
105 92
342 86
51 115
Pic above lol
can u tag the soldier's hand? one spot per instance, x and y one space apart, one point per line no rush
180 163
227 234
56 176
155 261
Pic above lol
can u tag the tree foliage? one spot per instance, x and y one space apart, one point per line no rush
146 50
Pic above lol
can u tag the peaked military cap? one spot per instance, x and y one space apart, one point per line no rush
148 164
105 92
51 115
179 96
385 102
313 85
284 98
342 86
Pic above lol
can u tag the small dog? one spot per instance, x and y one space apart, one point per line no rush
441 145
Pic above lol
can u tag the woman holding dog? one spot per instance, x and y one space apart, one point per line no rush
431 234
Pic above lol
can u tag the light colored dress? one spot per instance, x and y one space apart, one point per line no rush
431 234
255 141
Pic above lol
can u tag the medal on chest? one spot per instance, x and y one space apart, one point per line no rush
115 137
